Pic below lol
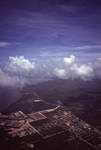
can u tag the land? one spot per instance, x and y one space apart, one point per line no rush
54 129
83 98
54 115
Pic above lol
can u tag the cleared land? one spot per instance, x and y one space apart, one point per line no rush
81 97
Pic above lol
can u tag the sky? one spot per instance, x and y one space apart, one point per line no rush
49 37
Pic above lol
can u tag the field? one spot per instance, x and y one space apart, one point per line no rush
81 97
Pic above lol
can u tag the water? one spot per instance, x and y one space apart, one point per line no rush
8 95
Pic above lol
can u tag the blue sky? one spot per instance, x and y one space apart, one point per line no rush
38 38
48 30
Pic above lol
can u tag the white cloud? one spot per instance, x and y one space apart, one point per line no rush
83 71
70 60
61 73
12 81
20 65
87 47
4 44
70 69
15 71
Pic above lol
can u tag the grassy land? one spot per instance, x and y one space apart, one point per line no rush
81 97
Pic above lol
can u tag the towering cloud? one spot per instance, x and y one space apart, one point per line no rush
20 65
70 69
69 61
14 72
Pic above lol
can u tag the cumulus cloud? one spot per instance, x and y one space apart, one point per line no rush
70 69
70 60
4 44
61 73
20 65
12 81
15 71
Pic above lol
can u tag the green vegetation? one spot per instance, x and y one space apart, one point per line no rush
81 97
